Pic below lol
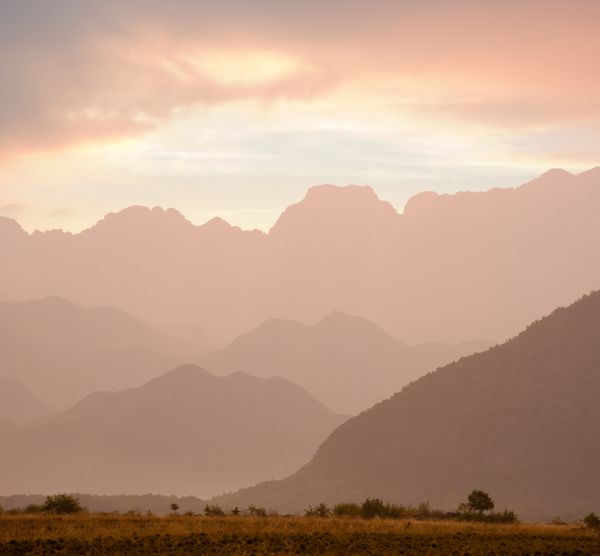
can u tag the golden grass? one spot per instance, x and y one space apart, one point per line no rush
90 526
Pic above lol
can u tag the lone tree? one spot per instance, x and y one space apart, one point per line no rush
478 501
592 521
174 507
61 504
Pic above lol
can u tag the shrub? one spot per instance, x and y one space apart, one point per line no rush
322 510
592 521
213 511
373 507
506 516
61 504
33 509
347 510
257 512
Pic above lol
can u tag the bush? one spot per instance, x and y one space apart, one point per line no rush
592 521
373 507
61 504
33 509
322 510
347 510
257 512
213 511
493 517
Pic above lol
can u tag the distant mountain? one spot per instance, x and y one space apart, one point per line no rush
520 421
18 404
348 363
186 432
64 351
448 268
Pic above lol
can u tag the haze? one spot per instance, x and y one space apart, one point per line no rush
291 253
234 110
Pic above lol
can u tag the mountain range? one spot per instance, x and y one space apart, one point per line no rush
62 351
18 404
348 363
185 432
448 268
520 421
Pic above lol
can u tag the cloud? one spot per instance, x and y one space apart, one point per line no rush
11 209
76 72
60 212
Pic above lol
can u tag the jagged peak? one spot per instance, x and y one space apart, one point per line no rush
328 204
138 215
552 177
10 226
421 201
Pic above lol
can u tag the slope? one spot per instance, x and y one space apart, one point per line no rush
185 432
349 363
64 351
521 421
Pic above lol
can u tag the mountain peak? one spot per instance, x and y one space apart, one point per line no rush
141 217
10 228
337 322
421 202
332 207
183 372
556 173
551 178
217 223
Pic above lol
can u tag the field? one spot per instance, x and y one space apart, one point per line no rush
116 535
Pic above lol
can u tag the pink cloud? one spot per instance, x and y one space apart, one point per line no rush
72 75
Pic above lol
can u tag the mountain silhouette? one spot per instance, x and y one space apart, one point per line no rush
348 363
520 421
62 351
185 432
18 404
448 268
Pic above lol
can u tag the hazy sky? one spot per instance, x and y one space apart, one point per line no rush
234 108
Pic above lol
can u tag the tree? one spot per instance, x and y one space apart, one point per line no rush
174 507
322 510
592 521
347 509
235 511
373 507
61 504
478 501
213 511
257 512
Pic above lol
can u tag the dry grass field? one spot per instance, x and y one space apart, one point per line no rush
119 535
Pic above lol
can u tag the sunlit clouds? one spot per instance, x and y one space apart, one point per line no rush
217 109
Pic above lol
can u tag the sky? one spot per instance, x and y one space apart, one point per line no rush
235 108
